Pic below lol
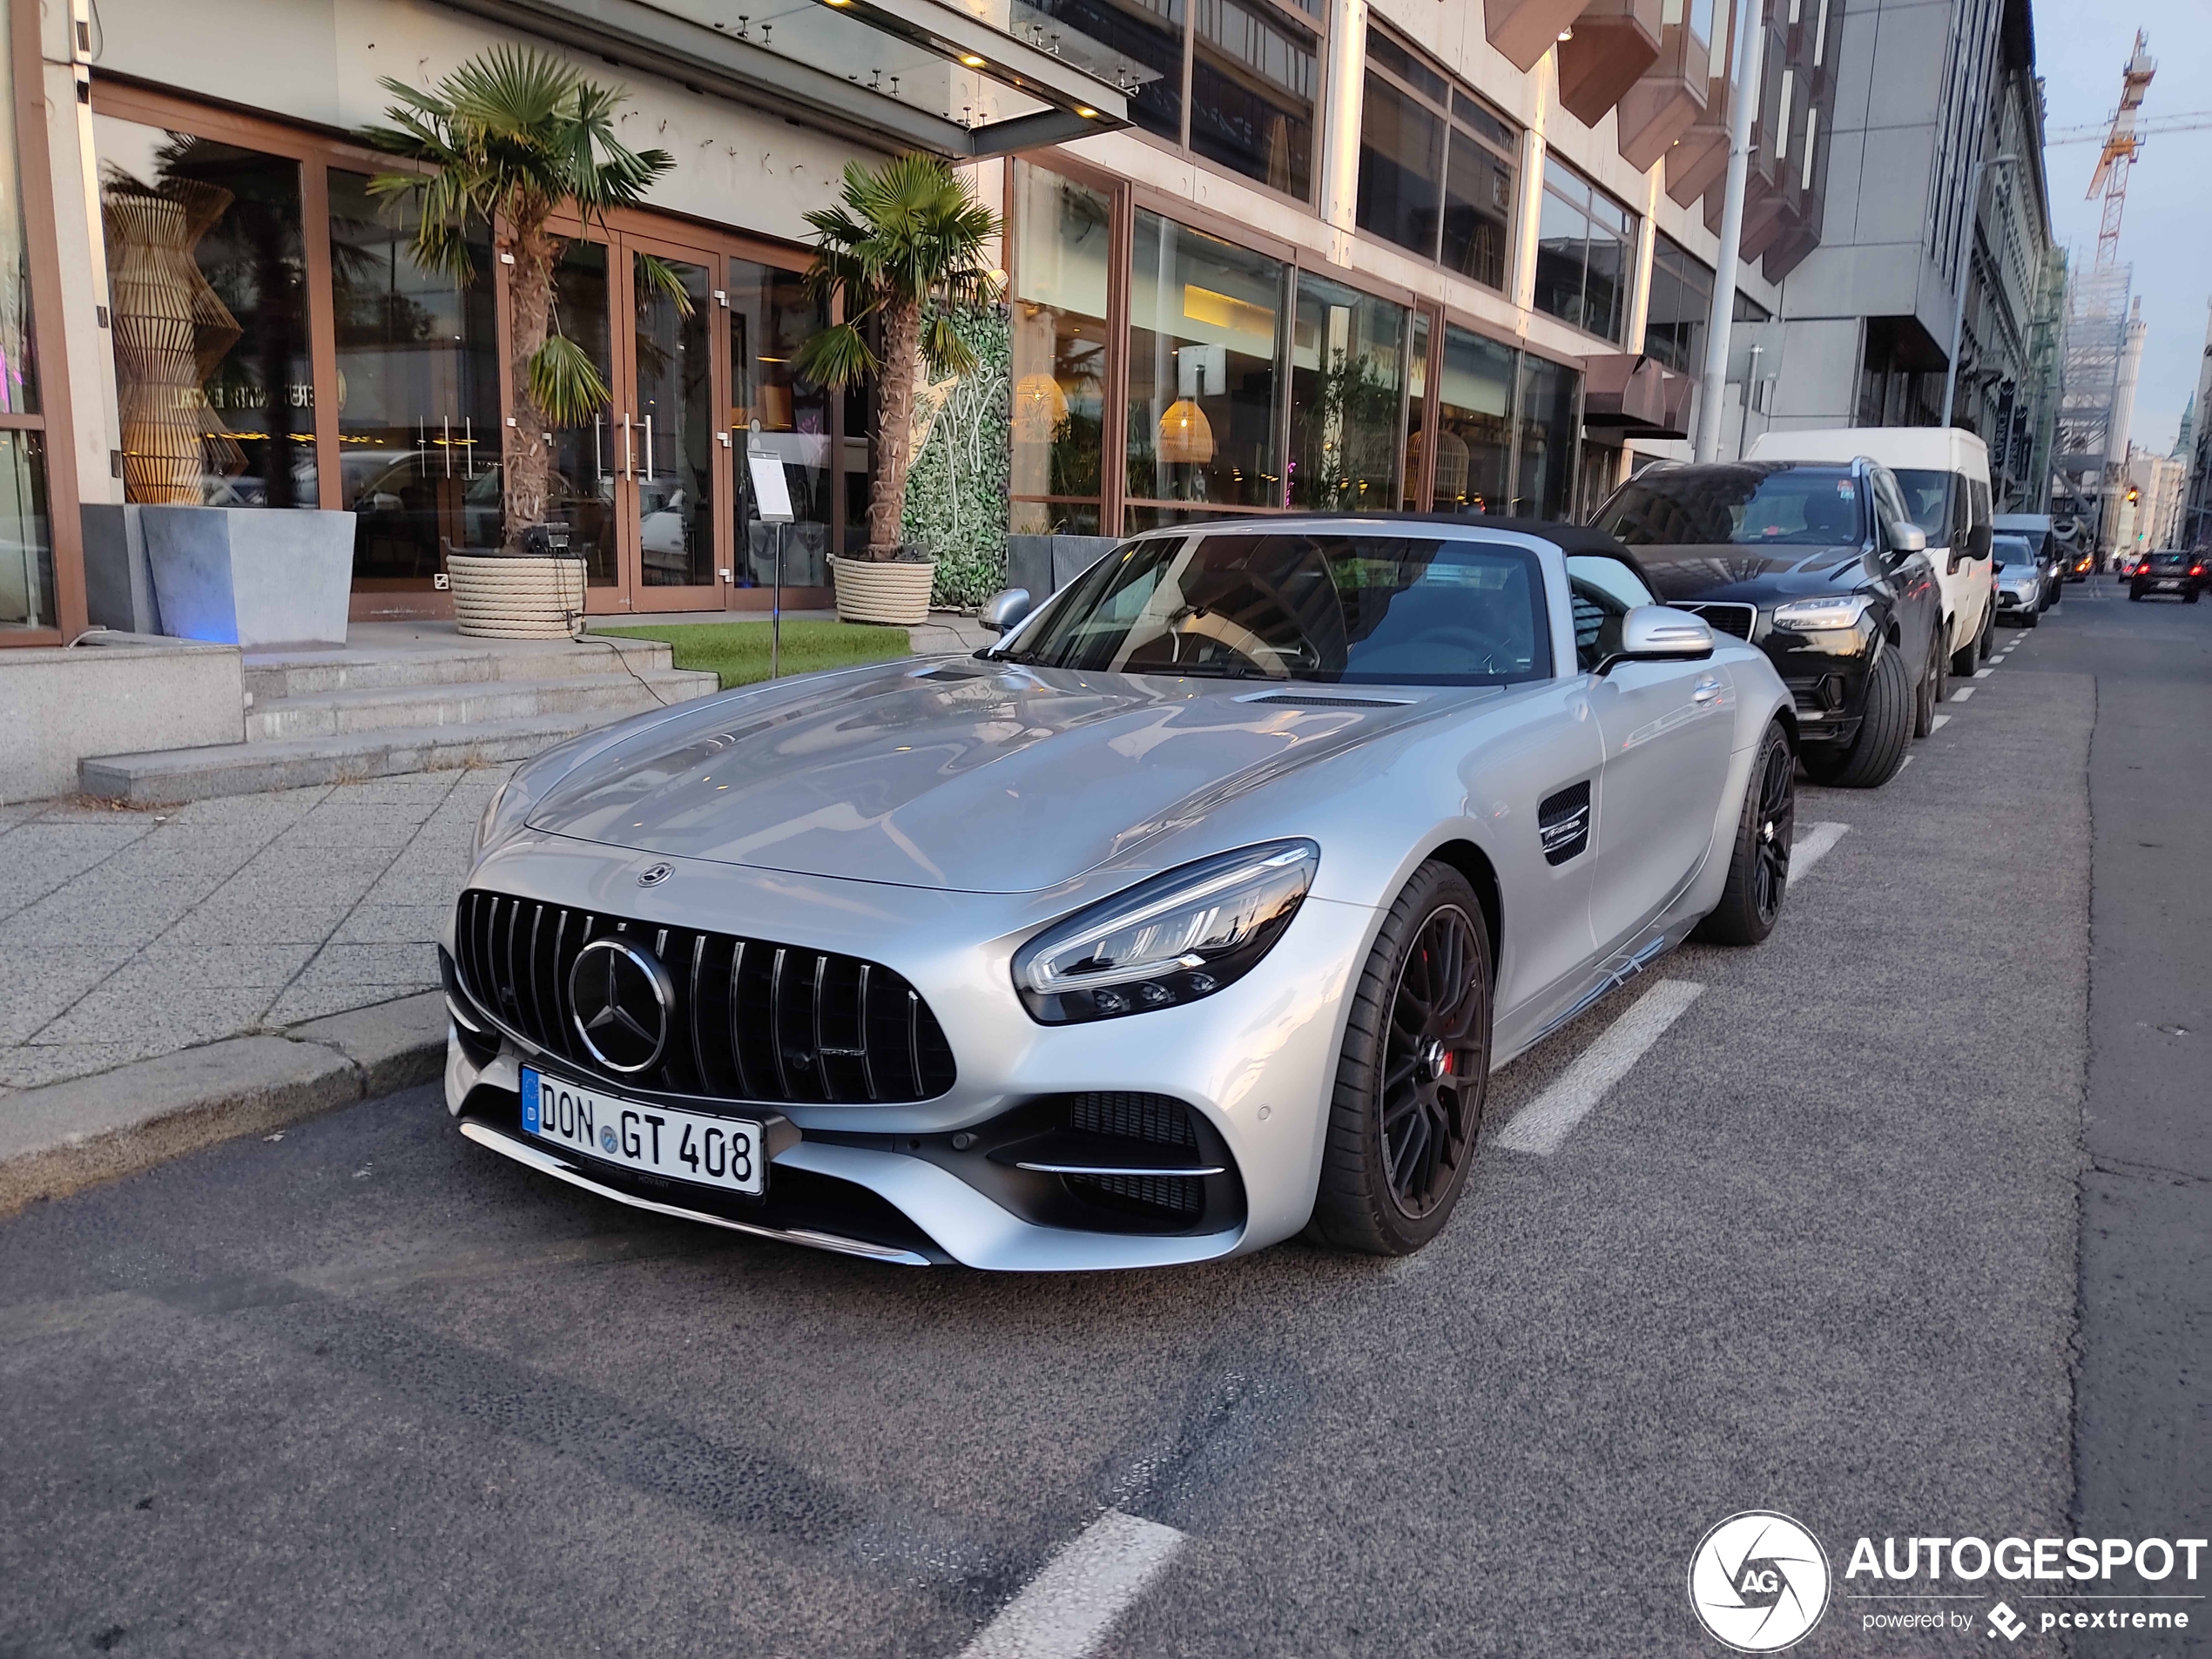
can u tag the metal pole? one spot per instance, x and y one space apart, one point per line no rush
776 612
1965 278
1750 42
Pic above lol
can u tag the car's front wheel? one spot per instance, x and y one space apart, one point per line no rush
1986 642
1872 758
1413 1075
1758 867
2031 619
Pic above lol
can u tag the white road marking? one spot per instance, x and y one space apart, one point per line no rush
1962 693
1066 1610
1545 1122
1984 673
1937 723
1903 764
1816 844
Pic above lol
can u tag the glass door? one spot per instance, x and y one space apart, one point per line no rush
672 459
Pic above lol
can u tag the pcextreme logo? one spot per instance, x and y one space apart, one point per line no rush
1758 1581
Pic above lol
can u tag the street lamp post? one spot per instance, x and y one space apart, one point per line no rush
1966 276
1750 36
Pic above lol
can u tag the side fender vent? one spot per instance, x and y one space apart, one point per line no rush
1563 823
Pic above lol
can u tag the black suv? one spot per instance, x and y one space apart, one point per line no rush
2167 576
1822 567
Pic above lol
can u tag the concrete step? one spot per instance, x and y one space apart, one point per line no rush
336 714
272 675
176 775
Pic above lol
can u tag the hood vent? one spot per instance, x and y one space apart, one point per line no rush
1303 700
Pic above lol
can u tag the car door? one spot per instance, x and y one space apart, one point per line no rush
1669 730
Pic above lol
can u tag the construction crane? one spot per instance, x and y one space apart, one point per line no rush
2119 154
2156 127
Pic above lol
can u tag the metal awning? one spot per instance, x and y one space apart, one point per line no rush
896 74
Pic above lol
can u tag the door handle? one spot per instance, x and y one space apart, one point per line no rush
629 449
648 424
1706 691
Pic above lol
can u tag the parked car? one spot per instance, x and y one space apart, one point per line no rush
2039 531
1821 567
1944 475
1195 912
2167 576
2023 581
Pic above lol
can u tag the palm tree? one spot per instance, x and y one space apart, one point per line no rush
906 247
506 140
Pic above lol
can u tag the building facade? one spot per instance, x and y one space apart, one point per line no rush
1262 256
1917 202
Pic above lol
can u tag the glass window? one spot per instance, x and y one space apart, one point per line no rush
26 541
1254 76
1682 300
1141 42
1416 409
1743 505
1473 424
1928 499
1401 167
1436 165
418 397
1062 263
207 289
1406 611
675 424
1205 348
1584 241
770 317
1543 478
1347 376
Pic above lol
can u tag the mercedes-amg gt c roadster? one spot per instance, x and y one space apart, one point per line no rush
1193 914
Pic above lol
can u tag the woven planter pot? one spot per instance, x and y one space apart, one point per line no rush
896 592
526 598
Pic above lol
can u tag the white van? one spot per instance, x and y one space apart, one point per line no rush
1945 475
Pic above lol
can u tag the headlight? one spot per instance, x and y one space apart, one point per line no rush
1171 940
485 824
1817 616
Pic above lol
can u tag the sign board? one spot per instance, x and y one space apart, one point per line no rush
770 491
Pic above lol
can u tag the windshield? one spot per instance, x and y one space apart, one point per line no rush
1743 505
1927 498
2011 550
1343 608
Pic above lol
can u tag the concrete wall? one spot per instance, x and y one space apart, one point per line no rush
64 704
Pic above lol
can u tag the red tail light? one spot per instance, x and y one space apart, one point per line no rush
2196 569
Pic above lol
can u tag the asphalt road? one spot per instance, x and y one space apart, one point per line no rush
368 1389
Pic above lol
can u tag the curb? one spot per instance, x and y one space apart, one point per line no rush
61 1138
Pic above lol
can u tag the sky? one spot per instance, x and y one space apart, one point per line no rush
2080 46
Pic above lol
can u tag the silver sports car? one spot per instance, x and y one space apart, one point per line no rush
1194 913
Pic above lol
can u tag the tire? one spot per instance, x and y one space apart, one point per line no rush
2189 598
1397 1155
1988 641
1878 750
2033 620
1962 660
2133 597
1758 869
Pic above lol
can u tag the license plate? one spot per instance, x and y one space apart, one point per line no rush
726 1152
2169 584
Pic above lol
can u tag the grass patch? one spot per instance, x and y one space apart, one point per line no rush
739 650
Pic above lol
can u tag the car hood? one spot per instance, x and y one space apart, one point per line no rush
963 776
1748 574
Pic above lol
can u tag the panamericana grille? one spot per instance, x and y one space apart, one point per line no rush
1160 1119
753 1020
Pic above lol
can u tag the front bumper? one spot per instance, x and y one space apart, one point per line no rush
1827 675
1253 1062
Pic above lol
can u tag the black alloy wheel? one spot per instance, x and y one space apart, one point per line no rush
1758 869
1414 1072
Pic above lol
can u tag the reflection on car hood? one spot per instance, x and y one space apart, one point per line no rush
1748 575
965 776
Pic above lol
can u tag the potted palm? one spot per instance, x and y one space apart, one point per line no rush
902 250
507 140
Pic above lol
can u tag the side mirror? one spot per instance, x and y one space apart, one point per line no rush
1908 538
1661 634
1007 608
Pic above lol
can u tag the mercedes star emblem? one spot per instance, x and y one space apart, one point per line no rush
621 998
655 876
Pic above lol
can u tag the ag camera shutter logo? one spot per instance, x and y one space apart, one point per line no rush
1758 1581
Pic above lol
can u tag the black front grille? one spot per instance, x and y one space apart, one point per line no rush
1161 1120
1727 618
753 1020
1138 1117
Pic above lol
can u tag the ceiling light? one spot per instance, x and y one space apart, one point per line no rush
1086 112
971 60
